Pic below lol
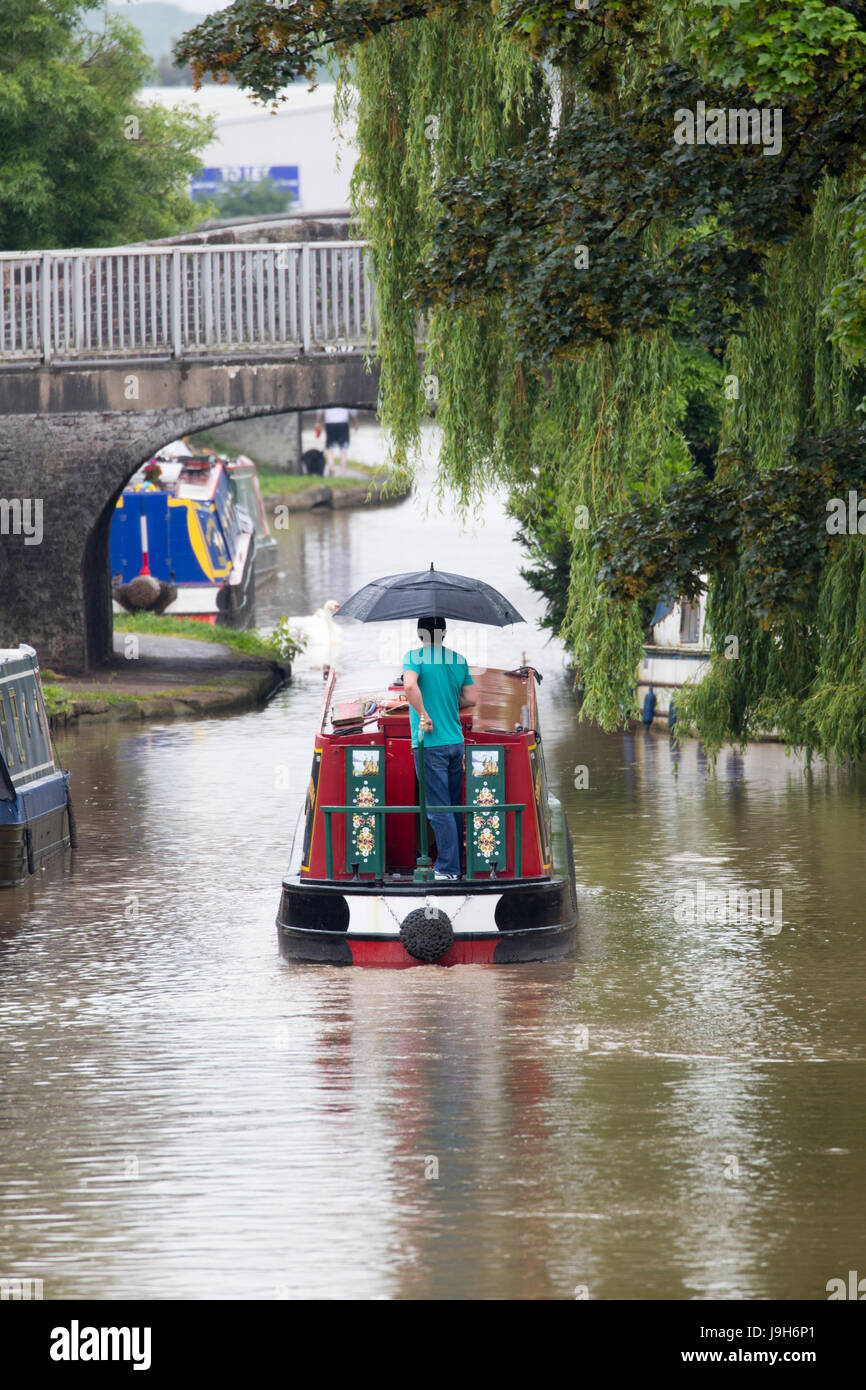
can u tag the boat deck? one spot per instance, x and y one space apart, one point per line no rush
505 700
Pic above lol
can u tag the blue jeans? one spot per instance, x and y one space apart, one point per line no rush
443 778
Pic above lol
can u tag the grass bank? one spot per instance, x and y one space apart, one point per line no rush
165 676
280 484
248 642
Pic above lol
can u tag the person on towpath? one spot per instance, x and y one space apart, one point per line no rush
337 422
438 686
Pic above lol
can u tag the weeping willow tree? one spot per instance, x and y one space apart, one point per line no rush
800 667
580 276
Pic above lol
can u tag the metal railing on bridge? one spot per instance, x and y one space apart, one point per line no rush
134 302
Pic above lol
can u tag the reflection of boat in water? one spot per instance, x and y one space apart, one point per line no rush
177 526
677 654
35 813
359 889
244 484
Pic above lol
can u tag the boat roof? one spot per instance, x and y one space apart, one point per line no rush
195 476
501 695
16 653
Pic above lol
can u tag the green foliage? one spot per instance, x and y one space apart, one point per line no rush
845 310
771 527
57 700
265 48
81 162
563 235
780 50
251 199
280 643
701 379
547 540
594 383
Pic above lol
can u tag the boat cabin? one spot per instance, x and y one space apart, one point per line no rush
182 526
33 791
362 820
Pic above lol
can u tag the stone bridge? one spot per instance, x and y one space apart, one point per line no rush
107 355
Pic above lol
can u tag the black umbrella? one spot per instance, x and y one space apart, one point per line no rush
430 593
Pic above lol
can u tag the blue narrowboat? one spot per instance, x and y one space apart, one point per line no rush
35 810
181 545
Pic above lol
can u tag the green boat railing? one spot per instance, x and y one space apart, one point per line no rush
423 864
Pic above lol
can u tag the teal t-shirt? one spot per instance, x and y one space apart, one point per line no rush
441 675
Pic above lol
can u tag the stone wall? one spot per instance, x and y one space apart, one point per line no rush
272 440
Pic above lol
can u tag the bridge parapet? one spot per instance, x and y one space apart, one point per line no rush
69 307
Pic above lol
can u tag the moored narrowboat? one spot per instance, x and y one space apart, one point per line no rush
180 544
360 888
244 483
35 810
676 655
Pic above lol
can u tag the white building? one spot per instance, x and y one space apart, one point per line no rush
295 142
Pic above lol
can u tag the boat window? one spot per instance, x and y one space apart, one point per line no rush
43 719
26 710
690 621
16 724
244 491
8 750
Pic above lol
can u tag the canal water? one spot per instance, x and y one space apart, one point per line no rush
677 1113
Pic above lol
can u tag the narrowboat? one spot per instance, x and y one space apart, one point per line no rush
35 809
676 654
360 888
244 483
180 544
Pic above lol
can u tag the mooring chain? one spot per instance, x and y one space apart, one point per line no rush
428 909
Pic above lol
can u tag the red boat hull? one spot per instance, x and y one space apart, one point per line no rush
503 948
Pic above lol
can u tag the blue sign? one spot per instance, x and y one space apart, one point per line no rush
216 180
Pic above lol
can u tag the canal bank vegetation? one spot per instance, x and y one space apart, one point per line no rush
250 643
82 701
627 325
367 484
162 679
278 484
372 485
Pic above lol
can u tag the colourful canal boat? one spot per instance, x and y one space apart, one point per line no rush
178 528
35 810
360 888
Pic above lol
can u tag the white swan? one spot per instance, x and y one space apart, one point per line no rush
320 634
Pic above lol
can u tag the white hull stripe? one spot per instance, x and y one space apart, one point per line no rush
382 915
19 676
29 771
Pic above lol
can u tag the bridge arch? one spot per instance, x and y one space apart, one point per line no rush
71 437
